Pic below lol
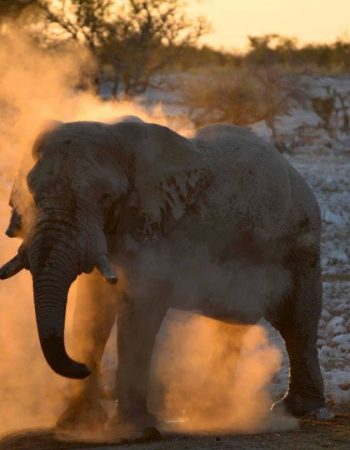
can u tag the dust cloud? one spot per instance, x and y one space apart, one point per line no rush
39 86
214 377
36 87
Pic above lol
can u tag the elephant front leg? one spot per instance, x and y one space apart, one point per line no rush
297 321
137 326
93 318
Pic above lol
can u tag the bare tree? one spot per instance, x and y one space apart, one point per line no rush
85 21
131 42
146 36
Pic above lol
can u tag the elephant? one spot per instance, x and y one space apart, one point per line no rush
219 223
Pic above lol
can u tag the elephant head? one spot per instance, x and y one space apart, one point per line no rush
85 179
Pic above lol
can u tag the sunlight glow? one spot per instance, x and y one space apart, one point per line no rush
309 21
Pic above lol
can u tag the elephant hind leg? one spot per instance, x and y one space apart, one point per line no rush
297 321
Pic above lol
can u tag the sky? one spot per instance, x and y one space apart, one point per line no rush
307 20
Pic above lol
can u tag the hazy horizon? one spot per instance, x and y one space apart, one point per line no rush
314 21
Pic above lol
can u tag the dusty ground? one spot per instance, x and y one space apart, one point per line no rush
333 434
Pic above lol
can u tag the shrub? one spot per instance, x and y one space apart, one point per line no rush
240 96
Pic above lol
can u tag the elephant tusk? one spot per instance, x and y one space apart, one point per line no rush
105 269
12 267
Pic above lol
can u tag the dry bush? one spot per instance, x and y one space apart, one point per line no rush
241 96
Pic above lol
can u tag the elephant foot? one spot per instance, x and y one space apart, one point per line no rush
302 407
320 414
133 427
82 414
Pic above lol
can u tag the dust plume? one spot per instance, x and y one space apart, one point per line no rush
36 87
211 375
214 377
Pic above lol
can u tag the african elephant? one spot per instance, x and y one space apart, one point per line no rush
166 213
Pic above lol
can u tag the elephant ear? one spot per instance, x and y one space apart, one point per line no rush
170 173
20 201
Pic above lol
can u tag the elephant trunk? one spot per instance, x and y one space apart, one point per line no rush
54 265
59 248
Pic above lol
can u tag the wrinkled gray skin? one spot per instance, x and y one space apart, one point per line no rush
163 211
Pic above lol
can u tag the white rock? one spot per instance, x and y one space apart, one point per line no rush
339 376
335 325
337 320
333 217
322 333
341 338
340 308
337 256
325 351
345 348
325 314
341 329
321 342
330 184
338 395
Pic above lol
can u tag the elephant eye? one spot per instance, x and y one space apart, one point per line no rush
106 200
